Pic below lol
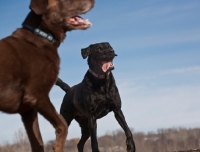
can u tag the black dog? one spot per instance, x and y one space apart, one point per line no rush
95 96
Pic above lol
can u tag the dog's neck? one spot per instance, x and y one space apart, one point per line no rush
99 84
57 31
37 26
97 75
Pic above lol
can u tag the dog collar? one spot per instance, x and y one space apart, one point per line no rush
39 32
98 76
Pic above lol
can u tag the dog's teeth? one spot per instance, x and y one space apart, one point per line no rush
88 22
71 19
76 21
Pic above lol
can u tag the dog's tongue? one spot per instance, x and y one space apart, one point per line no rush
106 66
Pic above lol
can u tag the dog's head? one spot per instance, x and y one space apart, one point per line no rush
100 57
63 13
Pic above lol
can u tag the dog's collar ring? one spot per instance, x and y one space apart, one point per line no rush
98 76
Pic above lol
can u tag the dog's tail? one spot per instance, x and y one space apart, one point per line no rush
62 85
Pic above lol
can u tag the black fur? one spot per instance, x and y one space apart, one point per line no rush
94 97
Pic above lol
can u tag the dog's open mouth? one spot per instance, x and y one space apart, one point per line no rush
107 66
79 22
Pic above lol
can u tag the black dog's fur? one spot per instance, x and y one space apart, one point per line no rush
94 97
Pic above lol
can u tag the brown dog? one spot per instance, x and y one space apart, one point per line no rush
29 65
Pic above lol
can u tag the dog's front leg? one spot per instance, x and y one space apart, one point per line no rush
93 132
129 139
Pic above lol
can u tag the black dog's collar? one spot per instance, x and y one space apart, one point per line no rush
98 76
39 32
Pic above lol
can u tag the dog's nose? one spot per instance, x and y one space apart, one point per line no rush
110 51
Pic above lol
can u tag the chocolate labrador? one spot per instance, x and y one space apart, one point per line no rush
29 65
94 97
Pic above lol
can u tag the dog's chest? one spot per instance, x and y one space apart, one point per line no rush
102 104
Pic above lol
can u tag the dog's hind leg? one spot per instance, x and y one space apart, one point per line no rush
67 110
30 120
84 131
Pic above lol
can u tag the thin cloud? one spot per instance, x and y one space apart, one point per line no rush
163 107
159 39
163 10
193 69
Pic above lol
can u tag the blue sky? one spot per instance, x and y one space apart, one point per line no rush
157 69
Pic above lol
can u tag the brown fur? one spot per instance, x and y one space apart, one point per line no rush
29 67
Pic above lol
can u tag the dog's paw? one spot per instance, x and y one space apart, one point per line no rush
130 145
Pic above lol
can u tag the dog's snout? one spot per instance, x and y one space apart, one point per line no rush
111 51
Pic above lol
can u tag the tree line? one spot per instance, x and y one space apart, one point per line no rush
163 140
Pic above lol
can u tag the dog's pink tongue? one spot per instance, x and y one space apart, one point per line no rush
106 66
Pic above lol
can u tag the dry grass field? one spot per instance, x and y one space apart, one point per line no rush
164 140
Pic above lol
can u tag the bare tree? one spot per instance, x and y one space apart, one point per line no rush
164 140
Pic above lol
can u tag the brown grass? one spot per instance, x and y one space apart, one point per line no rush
164 140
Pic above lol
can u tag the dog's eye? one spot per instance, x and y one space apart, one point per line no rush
99 49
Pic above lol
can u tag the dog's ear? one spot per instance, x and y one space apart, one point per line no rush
85 52
40 6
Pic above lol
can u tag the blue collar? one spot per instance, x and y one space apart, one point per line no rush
39 32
